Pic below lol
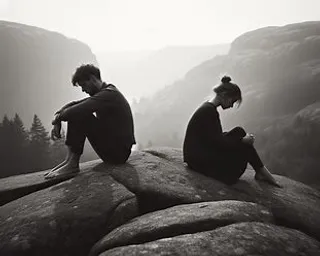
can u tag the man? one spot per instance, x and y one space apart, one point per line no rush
110 131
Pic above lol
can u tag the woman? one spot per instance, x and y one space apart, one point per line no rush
221 155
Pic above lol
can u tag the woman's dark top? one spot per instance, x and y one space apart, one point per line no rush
206 148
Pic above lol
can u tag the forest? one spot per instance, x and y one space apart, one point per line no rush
25 151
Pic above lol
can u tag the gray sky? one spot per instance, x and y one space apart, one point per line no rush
113 25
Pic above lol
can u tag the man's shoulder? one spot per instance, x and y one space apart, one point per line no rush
109 92
109 87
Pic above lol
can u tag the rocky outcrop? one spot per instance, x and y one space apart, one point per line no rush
155 205
66 219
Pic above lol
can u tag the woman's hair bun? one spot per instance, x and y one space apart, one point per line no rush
226 79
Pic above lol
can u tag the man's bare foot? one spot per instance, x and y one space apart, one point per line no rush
63 171
56 167
71 158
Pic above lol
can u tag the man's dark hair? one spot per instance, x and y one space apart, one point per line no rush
84 72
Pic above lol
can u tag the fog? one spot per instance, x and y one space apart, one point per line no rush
122 25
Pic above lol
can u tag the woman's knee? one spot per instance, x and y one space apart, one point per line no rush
237 132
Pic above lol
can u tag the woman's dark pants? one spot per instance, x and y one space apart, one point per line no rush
231 164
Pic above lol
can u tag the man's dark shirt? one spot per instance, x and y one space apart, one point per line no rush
112 110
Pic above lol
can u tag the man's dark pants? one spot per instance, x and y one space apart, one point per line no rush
102 141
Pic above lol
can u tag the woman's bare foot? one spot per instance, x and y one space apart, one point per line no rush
263 174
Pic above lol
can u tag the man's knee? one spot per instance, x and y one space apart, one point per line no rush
83 119
116 156
239 130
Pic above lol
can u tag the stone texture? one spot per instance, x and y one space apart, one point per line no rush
182 219
17 186
66 219
247 238
162 180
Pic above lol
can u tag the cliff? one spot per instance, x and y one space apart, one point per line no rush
36 66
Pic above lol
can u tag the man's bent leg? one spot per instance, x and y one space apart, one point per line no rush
75 139
108 148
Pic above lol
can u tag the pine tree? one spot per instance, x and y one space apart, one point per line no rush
39 146
19 142
6 149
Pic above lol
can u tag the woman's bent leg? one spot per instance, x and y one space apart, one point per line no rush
252 156
237 132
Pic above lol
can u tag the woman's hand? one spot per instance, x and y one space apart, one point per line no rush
248 139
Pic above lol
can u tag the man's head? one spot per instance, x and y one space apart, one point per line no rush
88 78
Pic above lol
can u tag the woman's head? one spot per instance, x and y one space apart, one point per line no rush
228 93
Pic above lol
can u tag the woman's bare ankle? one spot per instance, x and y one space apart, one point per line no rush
264 174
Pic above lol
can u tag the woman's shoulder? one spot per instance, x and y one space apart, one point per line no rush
206 108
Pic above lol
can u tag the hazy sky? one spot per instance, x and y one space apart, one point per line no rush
109 25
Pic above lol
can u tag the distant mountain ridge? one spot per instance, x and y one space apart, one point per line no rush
140 74
289 71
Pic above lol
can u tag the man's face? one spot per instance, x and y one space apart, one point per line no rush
88 86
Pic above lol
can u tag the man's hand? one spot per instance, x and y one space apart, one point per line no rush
56 131
248 139
56 120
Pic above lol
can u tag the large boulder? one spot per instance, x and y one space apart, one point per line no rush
162 180
182 219
17 186
67 218
237 239
177 204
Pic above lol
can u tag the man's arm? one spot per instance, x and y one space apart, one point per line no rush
86 107
72 103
